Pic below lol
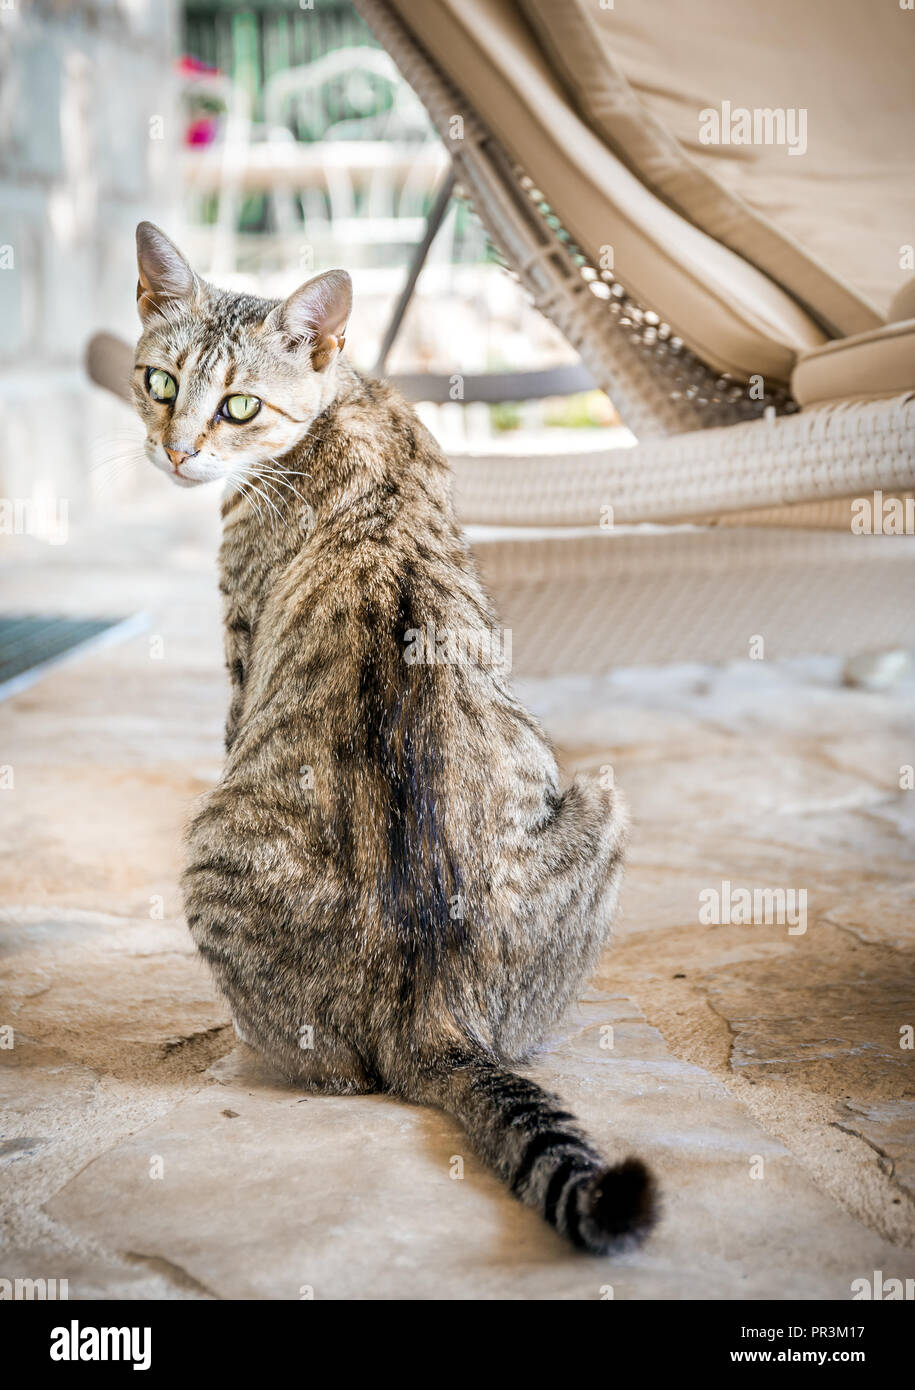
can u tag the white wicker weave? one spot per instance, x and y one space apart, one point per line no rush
584 604
837 452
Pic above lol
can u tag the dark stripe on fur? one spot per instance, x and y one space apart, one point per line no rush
518 1128
543 1145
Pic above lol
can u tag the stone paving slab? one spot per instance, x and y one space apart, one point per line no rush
733 1044
266 1191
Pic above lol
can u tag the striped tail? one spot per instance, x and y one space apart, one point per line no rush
548 1162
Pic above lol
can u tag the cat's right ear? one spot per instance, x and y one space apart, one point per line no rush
315 317
165 277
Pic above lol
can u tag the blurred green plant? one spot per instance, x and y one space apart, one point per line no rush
586 410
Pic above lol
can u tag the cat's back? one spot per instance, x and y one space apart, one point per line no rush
377 650
382 556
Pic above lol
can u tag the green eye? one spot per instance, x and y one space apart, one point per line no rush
160 385
241 407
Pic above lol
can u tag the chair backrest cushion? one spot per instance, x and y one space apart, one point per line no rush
730 313
822 195
866 367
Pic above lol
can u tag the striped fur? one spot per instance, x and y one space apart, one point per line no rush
388 883
543 1154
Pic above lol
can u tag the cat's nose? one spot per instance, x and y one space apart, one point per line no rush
178 456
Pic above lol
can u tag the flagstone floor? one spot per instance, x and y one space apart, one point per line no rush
761 1068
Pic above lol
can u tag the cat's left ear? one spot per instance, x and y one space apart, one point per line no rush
314 318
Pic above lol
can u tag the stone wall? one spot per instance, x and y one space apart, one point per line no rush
88 134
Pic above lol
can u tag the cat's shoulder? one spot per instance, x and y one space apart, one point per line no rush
374 411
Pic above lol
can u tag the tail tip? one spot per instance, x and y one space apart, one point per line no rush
624 1203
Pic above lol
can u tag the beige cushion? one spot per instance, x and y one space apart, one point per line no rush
865 367
827 224
903 305
733 316
581 42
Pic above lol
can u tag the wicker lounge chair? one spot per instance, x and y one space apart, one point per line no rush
767 390
771 388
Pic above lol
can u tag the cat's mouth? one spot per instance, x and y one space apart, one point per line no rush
189 472
180 480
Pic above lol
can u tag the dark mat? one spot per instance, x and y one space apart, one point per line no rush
31 645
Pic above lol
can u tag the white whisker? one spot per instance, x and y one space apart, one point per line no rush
104 475
268 483
249 480
250 498
289 472
276 483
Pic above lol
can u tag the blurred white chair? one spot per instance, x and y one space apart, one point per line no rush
399 160
359 180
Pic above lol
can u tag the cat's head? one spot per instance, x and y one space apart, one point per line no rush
227 383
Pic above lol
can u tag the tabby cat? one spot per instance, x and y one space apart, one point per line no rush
388 884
